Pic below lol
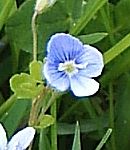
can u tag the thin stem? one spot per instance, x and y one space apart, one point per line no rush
50 102
111 115
34 32
54 128
33 119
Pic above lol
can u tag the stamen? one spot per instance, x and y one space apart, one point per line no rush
68 66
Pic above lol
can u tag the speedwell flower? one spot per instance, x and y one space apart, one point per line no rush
19 141
72 65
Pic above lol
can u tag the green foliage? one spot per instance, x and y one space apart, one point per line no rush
24 86
14 115
122 125
92 7
117 49
48 23
92 38
104 24
6 8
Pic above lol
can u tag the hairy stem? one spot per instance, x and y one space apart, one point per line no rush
34 32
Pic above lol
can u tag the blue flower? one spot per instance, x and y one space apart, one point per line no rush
19 141
72 65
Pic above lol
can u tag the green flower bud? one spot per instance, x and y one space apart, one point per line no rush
42 5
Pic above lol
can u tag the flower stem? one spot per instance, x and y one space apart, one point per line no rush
54 128
34 32
50 102
36 104
33 118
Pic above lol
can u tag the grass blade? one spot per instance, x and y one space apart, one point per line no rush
76 142
104 139
117 49
92 7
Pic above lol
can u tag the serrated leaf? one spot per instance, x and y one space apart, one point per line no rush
76 142
46 121
36 70
92 38
24 86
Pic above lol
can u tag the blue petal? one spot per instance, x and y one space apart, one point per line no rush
57 79
94 59
3 139
83 86
22 139
63 47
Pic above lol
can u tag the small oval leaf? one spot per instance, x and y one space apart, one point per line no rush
46 121
36 70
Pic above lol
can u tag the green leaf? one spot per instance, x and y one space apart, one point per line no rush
48 23
92 7
36 70
5 10
122 110
13 116
46 121
8 104
121 10
92 38
89 125
24 86
76 142
44 140
116 67
74 8
117 49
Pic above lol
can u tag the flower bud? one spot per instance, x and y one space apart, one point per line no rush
42 5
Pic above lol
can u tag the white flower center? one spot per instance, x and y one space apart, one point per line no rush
70 67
